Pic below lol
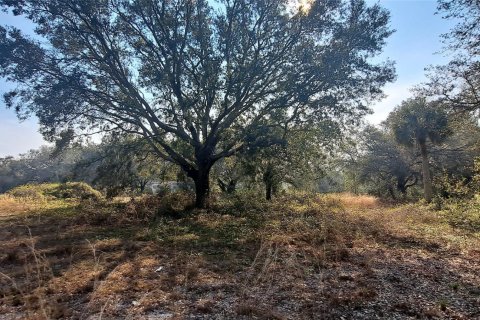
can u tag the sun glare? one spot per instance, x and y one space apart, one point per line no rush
301 5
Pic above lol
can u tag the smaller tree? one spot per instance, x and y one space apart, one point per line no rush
294 157
384 165
415 122
125 163
454 160
228 172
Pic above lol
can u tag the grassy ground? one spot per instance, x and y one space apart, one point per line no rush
300 257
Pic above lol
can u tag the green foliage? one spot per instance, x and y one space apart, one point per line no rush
31 191
416 120
414 123
464 214
384 167
118 164
462 206
125 164
296 159
193 78
455 156
76 190
43 165
69 190
454 187
459 185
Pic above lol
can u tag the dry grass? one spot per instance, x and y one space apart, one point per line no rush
12 206
302 256
350 200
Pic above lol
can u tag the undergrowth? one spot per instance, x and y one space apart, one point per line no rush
159 248
50 191
464 215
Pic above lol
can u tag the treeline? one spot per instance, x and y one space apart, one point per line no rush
124 165
431 140
420 150
117 165
423 149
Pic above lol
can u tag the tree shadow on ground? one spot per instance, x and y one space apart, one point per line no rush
210 265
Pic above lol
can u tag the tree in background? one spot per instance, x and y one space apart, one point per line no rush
415 122
384 166
118 164
454 160
229 172
192 78
457 84
46 164
293 157
124 163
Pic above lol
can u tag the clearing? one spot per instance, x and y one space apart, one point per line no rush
300 257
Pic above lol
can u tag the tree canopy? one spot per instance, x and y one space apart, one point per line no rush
193 78
458 82
416 120
384 164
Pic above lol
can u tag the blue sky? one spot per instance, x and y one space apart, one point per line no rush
413 46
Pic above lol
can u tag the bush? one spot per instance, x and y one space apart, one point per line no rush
31 191
69 190
76 190
172 204
462 187
240 202
26 192
464 214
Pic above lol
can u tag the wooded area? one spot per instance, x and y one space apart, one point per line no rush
213 158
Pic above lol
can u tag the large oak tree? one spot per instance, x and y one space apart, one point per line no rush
193 77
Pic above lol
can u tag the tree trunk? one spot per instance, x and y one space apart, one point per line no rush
202 188
232 186
268 191
402 187
392 193
143 184
427 180
268 179
229 187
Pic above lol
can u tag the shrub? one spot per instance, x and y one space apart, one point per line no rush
171 204
69 190
30 191
462 187
464 214
75 190
241 201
